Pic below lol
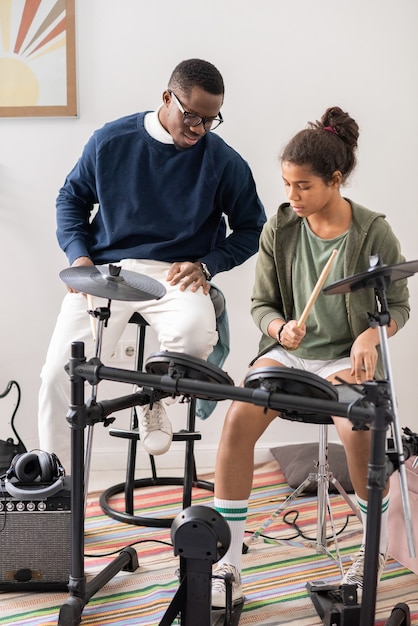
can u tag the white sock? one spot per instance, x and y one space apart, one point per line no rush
383 544
235 513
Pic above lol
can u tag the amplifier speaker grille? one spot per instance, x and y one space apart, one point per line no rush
35 543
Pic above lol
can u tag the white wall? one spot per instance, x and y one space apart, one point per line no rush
283 64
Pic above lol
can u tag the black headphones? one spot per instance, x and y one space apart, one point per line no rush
29 467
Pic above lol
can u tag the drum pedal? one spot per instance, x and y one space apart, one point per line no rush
336 605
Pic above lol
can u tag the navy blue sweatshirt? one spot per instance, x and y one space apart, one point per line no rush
158 202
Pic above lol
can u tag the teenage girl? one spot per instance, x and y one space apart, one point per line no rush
336 341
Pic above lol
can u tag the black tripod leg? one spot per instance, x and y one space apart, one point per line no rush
371 560
400 616
80 593
376 481
70 612
126 561
176 605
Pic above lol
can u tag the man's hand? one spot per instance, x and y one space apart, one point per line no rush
189 275
82 260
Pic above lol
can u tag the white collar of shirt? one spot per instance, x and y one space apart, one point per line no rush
154 127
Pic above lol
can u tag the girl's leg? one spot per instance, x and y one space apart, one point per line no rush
243 426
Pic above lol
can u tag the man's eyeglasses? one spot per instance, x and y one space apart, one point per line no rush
191 119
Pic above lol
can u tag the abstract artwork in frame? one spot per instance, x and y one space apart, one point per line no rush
37 58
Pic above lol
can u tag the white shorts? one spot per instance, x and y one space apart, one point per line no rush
325 369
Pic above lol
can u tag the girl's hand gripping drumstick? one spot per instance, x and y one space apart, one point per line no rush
316 291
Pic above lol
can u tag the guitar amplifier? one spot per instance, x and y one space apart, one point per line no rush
35 541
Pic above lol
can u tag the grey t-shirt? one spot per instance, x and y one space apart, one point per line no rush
327 331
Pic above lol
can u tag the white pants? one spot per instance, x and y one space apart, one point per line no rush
184 321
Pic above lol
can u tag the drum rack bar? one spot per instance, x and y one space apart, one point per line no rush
172 385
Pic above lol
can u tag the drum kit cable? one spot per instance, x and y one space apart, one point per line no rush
376 408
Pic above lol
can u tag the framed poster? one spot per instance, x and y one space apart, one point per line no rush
37 58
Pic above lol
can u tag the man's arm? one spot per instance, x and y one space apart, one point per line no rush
74 205
237 198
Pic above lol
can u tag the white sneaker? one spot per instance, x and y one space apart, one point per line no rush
355 574
155 429
219 585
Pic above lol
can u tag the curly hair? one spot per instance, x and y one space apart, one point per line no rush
326 146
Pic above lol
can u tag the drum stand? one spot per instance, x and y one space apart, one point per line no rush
338 604
79 416
342 600
195 531
80 591
200 535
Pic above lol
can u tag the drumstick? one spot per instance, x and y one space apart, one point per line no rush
90 303
317 289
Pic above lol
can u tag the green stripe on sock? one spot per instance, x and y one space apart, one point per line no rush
363 508
227 511
233 515
385 506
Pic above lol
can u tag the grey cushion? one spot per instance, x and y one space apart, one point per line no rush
297 462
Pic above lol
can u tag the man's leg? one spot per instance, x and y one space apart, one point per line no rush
184 322
73 324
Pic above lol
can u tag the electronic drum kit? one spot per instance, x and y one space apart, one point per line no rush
296 394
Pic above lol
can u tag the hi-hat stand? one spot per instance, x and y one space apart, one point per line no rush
322 477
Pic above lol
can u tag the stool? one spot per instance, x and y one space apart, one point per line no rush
302 383
200 369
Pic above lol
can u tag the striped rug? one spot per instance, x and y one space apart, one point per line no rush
275 569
